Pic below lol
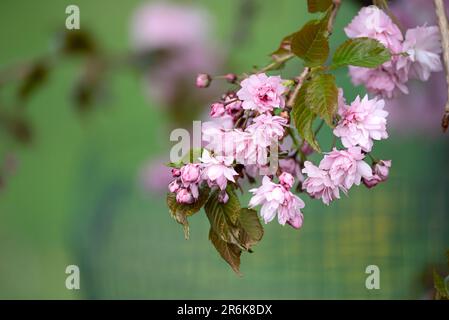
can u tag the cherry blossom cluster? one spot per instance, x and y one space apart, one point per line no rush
415 56
252 123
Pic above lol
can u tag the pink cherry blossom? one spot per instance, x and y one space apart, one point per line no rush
249 149
362 122
380 173
374 23
423 46
286 180
173 186
382 169
217 135
203 80
217 110
346 167
217 170
275 198
318 184
262 93
184 196
386 80
190 173
296 221
267 128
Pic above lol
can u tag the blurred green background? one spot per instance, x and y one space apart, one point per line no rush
76 197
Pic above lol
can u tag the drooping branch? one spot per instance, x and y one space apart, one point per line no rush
444 30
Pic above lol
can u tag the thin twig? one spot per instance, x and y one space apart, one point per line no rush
335 6
300 79
444 30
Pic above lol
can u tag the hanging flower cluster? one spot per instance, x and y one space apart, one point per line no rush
265 128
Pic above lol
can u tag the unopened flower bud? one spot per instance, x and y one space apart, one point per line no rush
184 196
231 77
190 173
306 149
173 186
175 172
372 181
203 80
382 169
286 180
217 110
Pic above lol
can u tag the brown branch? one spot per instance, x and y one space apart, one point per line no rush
335 6
444 30
300 79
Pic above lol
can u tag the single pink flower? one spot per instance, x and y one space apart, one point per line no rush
381 171
249 150
267 129
275 198
373 22
262 93
190 173
423 46
217 170
362 122
346 167
318 184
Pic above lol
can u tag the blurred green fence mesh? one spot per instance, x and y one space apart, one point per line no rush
129 247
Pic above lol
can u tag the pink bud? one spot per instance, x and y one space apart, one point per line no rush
286 180
231 77
217 109
306 149
371 182
184 196
190 173
203 80
223 196
234 108
382 169
175 172
173 186
296 221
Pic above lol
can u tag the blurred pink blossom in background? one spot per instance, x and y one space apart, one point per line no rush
421 110
184 32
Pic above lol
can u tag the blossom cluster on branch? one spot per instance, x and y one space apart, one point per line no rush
268 126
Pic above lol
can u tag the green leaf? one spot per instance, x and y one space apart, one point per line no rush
284 49
440 287
322 96
318 5
311 44
223 217
180 211
252 230
361 52
303 118
228 251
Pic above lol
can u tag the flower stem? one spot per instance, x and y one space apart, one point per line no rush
444 30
